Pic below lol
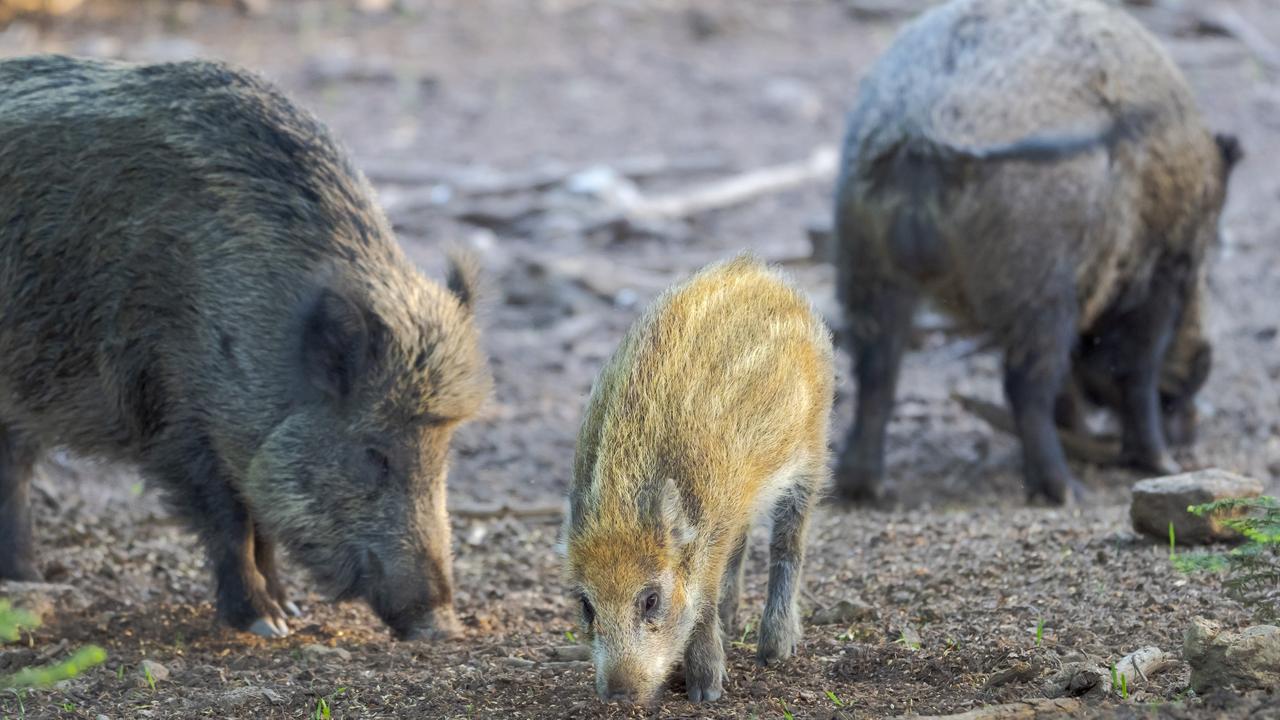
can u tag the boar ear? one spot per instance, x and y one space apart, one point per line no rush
1230 150
674 517
335 344
463 277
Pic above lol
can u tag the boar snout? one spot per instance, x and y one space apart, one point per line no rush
416 602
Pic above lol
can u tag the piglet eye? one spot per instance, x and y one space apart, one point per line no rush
588 612
379 462
650 602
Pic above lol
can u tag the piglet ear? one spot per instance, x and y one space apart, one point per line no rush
335 344
674 515
463 277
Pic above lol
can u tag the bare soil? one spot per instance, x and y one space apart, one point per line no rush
956 578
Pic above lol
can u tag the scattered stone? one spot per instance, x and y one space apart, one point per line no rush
238 697
1248 659
791 99
1160 501
157 672
1019 672
316 653
1078 679
844 612
43 599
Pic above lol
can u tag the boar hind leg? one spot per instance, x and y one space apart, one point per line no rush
704 659
878 329
731 585
264 556
780 629
17 556
1037 359
202 493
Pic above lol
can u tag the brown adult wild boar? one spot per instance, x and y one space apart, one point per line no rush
196 281
713 410
1039 167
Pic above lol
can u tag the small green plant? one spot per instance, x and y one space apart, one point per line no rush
322 710
1119 683
786 714
68 707
1252 569
570 636
834 700
742 639
1040 632
151 680
907 642
12 622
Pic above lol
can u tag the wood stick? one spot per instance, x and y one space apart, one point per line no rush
736 189
475 512
1082 447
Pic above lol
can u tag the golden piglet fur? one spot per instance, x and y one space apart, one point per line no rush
714 409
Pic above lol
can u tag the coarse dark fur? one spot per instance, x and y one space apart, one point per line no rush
195 280
965 177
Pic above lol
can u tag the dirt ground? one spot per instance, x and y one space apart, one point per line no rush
955 580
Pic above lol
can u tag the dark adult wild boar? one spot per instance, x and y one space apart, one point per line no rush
1039 168
195 280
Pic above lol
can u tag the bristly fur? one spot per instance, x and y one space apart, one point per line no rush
195 280
1101 239
714 408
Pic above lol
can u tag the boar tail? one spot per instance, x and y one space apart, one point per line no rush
1042 148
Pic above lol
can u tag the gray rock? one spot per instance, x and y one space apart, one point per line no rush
1160 501
155 670
43 599
322 653
1248 659
238 697
844 612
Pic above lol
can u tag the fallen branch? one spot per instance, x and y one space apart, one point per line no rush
480 180
1226 20
475 512
1082 447
1095 680
735 190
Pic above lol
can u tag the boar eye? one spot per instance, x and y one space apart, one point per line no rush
379 462
588 612
650 602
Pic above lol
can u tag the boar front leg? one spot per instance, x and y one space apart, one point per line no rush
17 554
202 492
1037 359
1138 342
264 555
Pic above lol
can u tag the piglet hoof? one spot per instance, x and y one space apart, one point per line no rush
704 684
270 628
778 641
292 608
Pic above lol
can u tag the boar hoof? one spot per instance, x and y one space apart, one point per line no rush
292 608
1061 493
1163 464
269 628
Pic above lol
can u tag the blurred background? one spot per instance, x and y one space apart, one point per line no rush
594 151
